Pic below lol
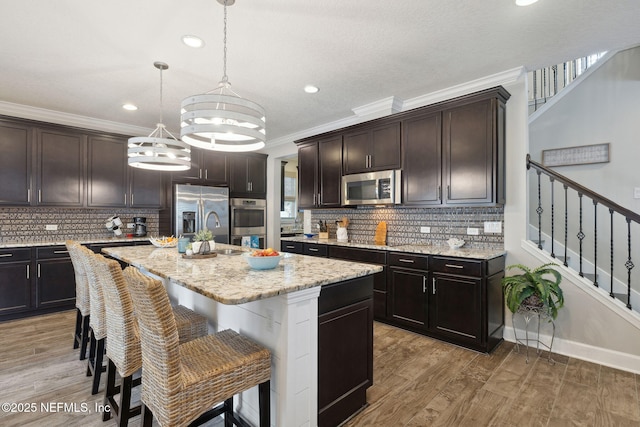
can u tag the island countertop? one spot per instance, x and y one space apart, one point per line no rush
228 278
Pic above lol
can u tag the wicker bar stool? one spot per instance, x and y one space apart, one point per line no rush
182 382
81 334
123 345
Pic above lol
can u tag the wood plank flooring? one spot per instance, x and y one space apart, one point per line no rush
418 381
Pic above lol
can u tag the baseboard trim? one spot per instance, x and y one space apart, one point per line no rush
611 358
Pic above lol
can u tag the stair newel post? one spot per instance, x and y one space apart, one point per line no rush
553 223
580 236
629 263
566 224
595 243
611 245
539 211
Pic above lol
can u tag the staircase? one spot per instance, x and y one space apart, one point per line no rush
585 232
548 82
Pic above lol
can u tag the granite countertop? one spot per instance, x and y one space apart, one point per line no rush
475 253
98 240
228 278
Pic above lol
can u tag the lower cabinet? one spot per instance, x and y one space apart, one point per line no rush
55 278
15 282
408 294
345 349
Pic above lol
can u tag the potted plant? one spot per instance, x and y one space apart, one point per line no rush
203 242
538 288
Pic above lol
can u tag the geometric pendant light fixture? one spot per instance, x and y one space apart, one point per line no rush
221 120
160 150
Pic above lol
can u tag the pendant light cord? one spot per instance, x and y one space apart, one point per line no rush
225 79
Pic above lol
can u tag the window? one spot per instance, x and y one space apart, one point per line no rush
290 196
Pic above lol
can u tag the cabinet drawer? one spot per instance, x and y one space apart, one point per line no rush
14 255
401 259
315 249
457 266
52 252
360 255
293 247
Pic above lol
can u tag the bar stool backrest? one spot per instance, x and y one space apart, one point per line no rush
82 284
96 298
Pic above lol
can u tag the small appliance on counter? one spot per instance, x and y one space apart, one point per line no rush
113 224
140 226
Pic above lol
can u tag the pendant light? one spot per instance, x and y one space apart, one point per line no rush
160 150
221 120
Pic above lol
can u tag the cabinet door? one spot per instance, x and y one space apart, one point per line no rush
257 176
421 150
330 171
56 285
307 175
193 175
407 299
15 287
215 168
145 188
468 153
455 309
107 172
385 147
61 176
15 164
356 151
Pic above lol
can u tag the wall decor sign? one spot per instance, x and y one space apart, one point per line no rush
582 155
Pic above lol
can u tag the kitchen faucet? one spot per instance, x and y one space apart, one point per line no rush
215 215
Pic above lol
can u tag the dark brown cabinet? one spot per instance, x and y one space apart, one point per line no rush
145 188
248 176
320 173
422 159
207 168
55 278
291 247
15 163
107 172
372 148
60 174
15 281
345 349
407 301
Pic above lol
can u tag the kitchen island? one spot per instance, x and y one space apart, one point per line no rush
314 315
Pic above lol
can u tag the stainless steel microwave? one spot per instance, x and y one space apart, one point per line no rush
372 188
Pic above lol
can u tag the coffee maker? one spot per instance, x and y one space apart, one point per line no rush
140 226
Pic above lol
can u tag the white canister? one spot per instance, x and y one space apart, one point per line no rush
341 234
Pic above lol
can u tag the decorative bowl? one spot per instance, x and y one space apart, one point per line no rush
309 235
262 262
455 243
164 242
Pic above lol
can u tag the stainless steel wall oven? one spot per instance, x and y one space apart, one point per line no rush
248 218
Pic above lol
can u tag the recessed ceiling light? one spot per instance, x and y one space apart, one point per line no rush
192 41
311 89
525 2
129 107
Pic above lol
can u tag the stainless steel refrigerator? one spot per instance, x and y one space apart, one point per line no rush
197 207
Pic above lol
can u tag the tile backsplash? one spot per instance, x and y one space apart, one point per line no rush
403 224
23 225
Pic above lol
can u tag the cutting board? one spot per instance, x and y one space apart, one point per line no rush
380 237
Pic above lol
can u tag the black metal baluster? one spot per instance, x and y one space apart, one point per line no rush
595 243
580 236
611 294
566 225
553 202
535 91
629 264
539 211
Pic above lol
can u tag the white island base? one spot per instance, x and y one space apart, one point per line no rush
288 326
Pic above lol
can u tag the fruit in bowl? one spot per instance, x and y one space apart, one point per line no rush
164 242
263 259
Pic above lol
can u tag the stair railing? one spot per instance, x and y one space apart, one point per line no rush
597 199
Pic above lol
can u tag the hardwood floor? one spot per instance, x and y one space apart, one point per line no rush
418 381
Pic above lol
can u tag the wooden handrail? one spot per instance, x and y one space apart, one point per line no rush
628 214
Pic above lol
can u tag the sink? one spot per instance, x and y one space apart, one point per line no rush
228 251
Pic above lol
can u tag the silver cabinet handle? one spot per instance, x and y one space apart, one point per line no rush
410 261
314 199
449 192
131 199
199 173
290 247
28 272
454 266
206 174
439 192
320 199
39 196
434 286
38 270
28 195
313 250
125 199
60 252
424 284
5 255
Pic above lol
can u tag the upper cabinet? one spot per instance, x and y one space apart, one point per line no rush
422 159
248 175
207 168
372 148
320 173
107 172
60 173
15 164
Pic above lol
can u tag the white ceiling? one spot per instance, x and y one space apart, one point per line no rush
87 58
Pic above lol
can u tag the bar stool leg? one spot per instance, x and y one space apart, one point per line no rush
84 341
97 366
77 335
264 402
146 417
